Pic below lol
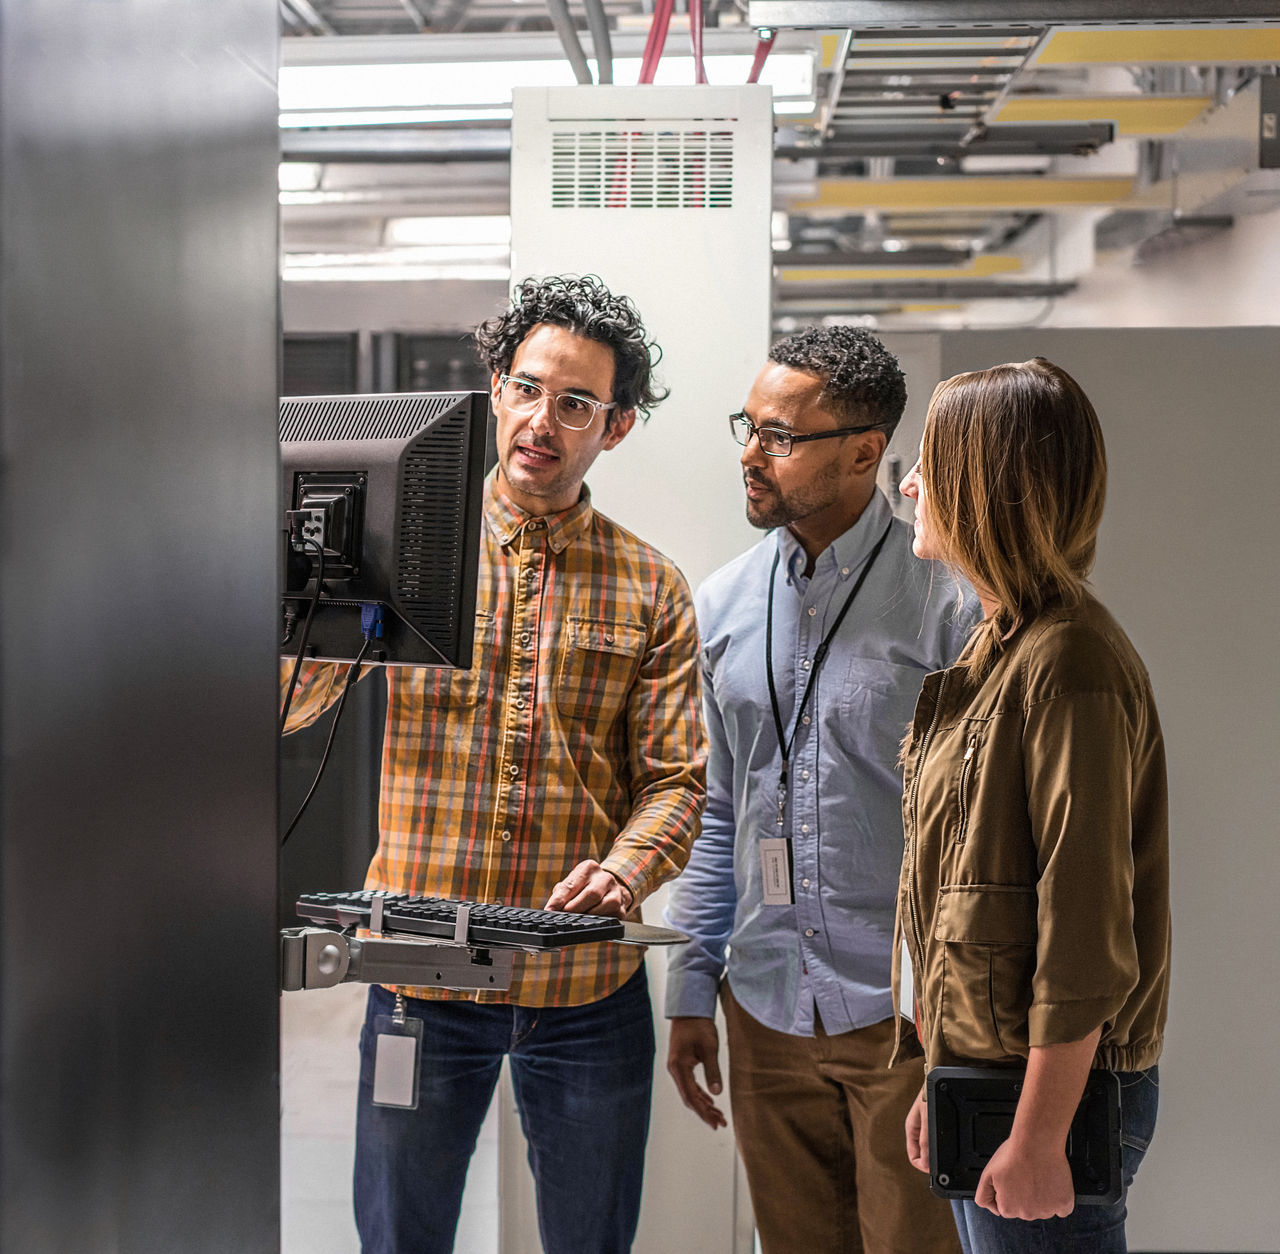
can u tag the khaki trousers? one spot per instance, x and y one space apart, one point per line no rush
819 1122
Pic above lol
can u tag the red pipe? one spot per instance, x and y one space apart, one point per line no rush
763 46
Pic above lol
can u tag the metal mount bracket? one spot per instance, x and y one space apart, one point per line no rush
314 957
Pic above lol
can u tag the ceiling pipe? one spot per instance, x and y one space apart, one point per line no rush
313 20
598 24
416 15
563 23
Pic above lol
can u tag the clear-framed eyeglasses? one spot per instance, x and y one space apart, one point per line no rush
777 441
571 410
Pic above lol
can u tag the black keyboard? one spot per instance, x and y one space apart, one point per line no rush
437 917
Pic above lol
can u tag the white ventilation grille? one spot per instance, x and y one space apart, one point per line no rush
642 169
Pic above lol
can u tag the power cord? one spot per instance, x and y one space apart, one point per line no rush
306 625
353 674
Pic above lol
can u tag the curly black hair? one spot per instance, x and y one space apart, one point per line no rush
588 308
862 381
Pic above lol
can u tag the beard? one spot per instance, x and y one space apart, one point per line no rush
780 509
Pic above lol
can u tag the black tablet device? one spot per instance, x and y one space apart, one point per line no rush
971 1115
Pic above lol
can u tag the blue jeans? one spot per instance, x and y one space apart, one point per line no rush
582 1077
1088 1229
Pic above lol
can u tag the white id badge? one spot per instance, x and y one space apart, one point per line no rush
395 1061
906 986
775 870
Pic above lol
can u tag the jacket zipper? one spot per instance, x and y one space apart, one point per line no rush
915 831
965 767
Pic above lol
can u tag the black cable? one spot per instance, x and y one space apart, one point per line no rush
352 675
306 633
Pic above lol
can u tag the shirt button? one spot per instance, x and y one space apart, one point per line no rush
813 609
519 703
608 636
806 719
804 827
808 931
524 637
804 883
844 570
506 835
804 774
806 663
514 771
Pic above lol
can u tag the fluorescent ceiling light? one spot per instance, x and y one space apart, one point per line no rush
354 270
299 176
478 230
425 254
456 85
391 117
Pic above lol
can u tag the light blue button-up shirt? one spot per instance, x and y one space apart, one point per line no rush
831 949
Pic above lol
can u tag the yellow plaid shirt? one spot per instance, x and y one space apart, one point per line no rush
576 734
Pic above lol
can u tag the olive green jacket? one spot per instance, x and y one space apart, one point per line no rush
1034 898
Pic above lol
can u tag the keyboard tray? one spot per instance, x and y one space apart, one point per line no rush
435 917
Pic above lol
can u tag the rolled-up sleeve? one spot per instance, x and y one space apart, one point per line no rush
1077 758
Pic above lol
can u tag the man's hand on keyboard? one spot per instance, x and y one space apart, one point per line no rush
590 889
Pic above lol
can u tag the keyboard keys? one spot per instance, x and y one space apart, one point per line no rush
490 924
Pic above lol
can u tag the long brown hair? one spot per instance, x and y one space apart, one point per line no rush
1015 473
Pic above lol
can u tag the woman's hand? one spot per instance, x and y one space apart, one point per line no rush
918 1133
1026 1182
1028 1176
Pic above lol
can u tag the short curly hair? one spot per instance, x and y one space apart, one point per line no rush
862 381
587 308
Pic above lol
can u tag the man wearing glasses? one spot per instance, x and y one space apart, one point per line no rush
815 644
565 770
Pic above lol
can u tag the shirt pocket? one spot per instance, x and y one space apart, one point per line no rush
598 663
988 934
877 701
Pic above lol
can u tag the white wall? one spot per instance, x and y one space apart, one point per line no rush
1231 280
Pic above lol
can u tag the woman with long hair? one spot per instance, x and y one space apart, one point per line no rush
1034 900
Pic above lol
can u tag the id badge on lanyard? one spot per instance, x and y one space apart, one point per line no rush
775 860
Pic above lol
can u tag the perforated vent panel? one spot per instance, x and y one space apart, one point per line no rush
362 417
431 525
630 168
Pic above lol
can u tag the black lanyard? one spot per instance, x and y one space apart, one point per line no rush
819 656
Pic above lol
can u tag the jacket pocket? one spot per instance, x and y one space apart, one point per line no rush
598 663
988 934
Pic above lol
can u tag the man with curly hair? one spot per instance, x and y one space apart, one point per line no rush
815 643
565 770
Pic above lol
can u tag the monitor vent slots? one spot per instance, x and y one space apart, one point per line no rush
633 168
431 529
363 418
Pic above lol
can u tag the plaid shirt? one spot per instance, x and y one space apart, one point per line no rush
576 734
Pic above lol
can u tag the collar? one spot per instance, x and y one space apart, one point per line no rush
847 552
506 521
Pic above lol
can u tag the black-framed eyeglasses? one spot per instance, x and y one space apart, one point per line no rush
777 441
570 409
